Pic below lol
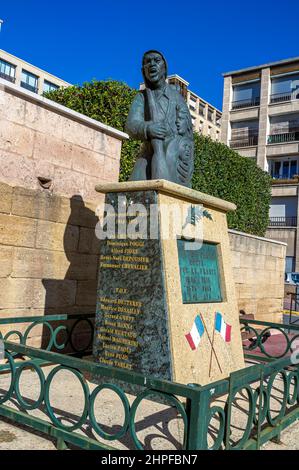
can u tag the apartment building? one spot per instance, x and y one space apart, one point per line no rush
28 76
261 121
206 119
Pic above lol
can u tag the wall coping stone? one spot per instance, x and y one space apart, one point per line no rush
256 237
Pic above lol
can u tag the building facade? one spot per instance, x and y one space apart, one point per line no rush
260 120
206 119
28 76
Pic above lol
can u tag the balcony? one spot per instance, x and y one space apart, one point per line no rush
292 136
245 103
283 221
7 77
282 97
29 87
244 142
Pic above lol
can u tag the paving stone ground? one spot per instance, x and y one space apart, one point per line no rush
157 426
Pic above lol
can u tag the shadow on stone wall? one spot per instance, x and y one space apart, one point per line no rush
76 293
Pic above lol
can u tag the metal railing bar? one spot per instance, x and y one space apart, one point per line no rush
46 318
267 323
106 371
269 431
48 428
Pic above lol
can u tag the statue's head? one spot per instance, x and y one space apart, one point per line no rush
183 121
154 67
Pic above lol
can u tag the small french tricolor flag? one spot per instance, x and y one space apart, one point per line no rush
196 333
223 328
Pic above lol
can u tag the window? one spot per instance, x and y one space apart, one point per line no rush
284 129
201 109
29 81
193 119
48 86
285 88
218 119
290 264
283 211
246 95
285 168
7 71
244 134
180 86
210 114
192 107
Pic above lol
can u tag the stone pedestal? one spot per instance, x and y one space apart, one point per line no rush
159 295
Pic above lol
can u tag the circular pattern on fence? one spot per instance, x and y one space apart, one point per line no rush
260 414
250 414
263 350
273 421
55 334
49 408
169 399
19 335
292 397
213 412
24 404
126 406
71 340
9 392
43 323
250 329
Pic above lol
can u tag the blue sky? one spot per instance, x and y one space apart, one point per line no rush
78 41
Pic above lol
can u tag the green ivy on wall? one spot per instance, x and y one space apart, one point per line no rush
219 170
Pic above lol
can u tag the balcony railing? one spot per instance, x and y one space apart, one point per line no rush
289 176
29 87
284 137
283 221
246 103
7 77
281 97
244 142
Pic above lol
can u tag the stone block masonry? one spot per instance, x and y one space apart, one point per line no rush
48 254
258 269
40 139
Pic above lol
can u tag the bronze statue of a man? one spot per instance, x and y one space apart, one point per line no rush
159 116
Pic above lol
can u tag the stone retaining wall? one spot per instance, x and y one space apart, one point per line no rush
258 266
48 254
42 139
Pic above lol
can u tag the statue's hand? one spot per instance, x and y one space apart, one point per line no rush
157 130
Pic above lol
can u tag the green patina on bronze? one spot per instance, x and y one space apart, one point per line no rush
160 118
199 271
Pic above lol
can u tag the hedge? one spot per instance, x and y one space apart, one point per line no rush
219 170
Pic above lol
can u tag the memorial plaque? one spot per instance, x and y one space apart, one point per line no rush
131 319
199 273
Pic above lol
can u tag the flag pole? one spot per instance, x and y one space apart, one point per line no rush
212 346
211 356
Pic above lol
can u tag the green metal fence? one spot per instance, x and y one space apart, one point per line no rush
265 394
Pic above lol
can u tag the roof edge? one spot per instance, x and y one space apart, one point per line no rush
263 66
